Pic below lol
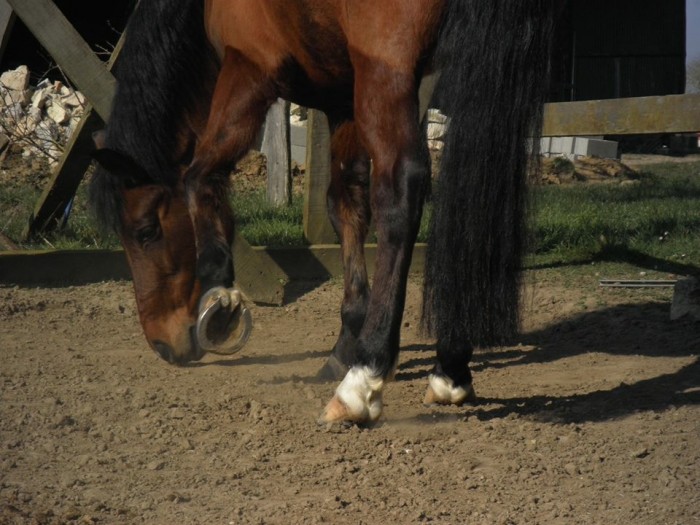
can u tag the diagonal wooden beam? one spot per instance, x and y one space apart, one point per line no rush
74 162
7 21
66 178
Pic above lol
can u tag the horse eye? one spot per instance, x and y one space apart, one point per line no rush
147 234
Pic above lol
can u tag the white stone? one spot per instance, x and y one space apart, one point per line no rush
58 113
16 79
48 131
11 96
436 130
434 115
41 95
13 113
436 145
34 115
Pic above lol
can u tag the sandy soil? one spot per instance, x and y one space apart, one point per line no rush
593 418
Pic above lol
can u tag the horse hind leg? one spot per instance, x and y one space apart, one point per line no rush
450 382
349 211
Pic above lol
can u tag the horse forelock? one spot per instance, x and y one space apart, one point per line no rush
164 70
106 199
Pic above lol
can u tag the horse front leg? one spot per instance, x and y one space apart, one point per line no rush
387 120
349 211
241 98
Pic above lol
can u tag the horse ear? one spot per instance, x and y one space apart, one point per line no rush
126 168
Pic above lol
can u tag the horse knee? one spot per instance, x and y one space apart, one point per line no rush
399 196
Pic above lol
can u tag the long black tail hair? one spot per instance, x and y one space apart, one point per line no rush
494 58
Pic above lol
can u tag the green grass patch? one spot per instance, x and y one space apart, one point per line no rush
262 224
79 232
656 217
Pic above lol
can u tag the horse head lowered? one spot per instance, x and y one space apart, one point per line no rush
155 228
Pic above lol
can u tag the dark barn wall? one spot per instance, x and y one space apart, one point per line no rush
627 48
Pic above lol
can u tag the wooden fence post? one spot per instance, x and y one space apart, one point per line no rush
275 146
317 226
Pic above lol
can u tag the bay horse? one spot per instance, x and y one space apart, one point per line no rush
195 80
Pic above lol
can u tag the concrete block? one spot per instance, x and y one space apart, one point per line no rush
604 149
573 147
297 139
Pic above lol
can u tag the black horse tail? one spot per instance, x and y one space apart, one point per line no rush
494 62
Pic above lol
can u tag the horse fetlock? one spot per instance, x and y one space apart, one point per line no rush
443 391
333 370
358 398
224 323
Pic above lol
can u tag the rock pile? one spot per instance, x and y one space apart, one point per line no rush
37 120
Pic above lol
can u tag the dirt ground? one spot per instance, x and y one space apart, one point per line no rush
593 418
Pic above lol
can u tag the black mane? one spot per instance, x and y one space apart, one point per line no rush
165 68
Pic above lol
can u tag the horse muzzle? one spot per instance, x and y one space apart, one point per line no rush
224 323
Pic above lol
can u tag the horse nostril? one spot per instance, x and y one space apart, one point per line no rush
164 351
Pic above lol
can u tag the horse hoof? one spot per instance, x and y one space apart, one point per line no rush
335 412
332 370
442 391
358 399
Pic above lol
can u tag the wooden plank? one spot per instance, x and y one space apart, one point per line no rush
425 92
322 261
7 21
76 267
317 225
69 50
72 267
65 180
276 146
74 162
623 116
257 274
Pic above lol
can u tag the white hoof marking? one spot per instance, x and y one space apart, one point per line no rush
445 392
361 392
